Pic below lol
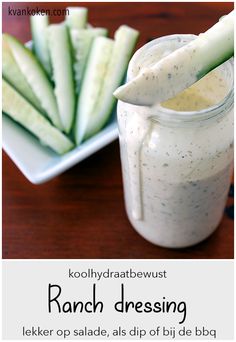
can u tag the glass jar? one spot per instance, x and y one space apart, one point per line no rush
176 165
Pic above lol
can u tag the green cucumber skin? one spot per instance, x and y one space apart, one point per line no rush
225 30
82 41
95 71
14 76
36 77
19 109
77 17
125 41
39 24
210 67
62 64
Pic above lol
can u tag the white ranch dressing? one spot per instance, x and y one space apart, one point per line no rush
154 203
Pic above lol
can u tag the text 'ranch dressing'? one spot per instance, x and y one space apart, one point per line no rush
177 156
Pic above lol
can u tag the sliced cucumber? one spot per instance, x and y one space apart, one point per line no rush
181 68
76 17
14 76
19 109
61 57
125 40
82 42
91 87
39 23
36 77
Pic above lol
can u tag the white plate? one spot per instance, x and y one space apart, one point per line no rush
39 163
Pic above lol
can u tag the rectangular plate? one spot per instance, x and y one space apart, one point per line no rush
39 163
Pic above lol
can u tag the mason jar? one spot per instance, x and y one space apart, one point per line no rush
177 163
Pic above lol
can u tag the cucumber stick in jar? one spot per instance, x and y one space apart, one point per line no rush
36 78
12 73
125 41
81 42
19 109
91 87
181 68
62 65
39 24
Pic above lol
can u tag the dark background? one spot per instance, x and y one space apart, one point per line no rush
81 214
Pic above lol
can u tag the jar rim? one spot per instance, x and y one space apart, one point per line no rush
167 114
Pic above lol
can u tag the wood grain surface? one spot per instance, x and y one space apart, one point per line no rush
81 214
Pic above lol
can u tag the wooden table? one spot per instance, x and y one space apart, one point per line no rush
81 214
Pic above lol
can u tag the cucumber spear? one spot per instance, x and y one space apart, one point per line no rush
20 110
39 24
124 44
36 78
82 40
76 17
91 87
181 68
12 73
62 65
